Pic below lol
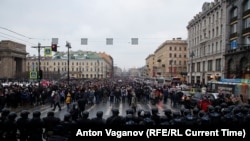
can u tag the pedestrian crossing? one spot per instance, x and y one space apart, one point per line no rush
105 107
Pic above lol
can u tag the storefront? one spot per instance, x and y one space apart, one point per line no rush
231 86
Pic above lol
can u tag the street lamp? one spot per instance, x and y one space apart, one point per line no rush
68 46
191 71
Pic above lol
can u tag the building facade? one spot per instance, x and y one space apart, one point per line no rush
150 67
82 64
169 59
12 60
237 55
206 43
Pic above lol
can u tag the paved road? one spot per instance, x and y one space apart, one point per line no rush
92 109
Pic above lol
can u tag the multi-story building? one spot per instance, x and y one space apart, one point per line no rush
12 60
206 43
169 59
237 55
82 64
150 67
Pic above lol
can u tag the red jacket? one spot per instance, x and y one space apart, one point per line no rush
204 104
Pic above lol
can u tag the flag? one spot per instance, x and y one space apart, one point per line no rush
134 41
84 41
109 41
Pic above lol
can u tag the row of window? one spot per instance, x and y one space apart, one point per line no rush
66 63
201 66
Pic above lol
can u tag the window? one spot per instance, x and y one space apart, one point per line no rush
246 41
246 23
246 5
234 28
210 65
203 66
234 12
198 67
218 64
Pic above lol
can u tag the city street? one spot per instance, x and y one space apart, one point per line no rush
92 109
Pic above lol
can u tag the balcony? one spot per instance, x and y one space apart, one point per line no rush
244 47
233 35
245 13
233 19
246 30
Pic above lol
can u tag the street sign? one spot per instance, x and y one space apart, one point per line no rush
47 51
234 44
54 41
33 75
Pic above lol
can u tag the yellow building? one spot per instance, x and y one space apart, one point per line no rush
82 64
169 59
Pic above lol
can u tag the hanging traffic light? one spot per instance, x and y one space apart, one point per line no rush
54 47
40 74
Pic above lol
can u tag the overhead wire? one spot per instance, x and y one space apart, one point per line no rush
15 38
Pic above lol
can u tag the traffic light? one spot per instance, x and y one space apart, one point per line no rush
54 47
40 74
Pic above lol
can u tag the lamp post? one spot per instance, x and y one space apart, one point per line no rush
39 72
39 63
68 46
191 70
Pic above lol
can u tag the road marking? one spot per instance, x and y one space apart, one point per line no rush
92 107
108 110
120 108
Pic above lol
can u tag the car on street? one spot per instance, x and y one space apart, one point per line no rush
194 100
197 98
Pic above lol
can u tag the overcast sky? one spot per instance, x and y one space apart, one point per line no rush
151 21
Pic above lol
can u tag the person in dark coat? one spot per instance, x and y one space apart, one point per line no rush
50 123
56 99
166 118
147 120
115 119
84 121
155 116
65 129
36 127
3 117
74 112
98 120
10 127
81 105
22 125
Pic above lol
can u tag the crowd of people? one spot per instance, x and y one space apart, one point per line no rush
37 128
78 95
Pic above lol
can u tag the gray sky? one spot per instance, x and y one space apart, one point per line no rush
151 21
